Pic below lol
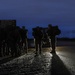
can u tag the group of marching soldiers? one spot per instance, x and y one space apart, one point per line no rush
43 34
14 40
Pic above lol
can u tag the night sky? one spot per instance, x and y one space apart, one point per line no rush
32 13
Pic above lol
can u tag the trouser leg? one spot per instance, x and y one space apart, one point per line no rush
40 47
53 44
26 45
0 51
36 46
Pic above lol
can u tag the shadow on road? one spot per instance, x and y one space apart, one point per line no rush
36 66
6 60
58 67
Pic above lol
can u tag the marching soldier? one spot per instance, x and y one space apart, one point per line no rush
52 32
38 35
23 33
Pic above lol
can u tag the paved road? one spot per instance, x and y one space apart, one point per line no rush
61 63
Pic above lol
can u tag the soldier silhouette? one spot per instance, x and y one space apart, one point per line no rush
23 33
52 32
37 33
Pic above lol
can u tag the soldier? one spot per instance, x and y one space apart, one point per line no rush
37 33
13 39
1 40
52 32
23 32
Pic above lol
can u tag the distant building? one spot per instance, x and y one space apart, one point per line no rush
4 23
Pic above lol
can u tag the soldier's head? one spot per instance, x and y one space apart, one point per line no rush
49 26
38 27
23 27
